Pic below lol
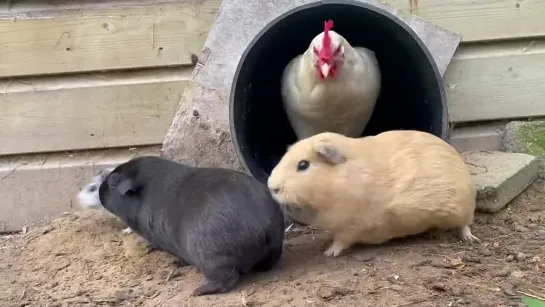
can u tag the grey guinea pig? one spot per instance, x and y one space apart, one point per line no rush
88 197
222 221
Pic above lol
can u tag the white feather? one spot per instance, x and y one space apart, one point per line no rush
343 104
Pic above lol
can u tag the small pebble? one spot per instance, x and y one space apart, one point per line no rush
393 279
439 287
133 283
521 257
503 230
486 252
521 228
469 258
461 301
509 258
532 226
533 219
503 272
364 258
397 288
509 290
326 293
53 285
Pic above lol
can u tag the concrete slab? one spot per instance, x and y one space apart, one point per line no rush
499 176
199 134
483 136
527 137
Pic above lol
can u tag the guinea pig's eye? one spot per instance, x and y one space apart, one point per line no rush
302 165
92 188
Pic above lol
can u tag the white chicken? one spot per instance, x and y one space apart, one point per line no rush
332 87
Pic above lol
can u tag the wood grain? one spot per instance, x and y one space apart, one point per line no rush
478 20
496 81
89 111
48 42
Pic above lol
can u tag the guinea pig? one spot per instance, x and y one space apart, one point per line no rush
88 196
370 190
222 221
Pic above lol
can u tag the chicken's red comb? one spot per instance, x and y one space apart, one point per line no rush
326 41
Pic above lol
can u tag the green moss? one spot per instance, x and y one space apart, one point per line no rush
531 137
533 302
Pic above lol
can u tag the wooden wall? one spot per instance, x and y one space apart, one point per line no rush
86 84
497 73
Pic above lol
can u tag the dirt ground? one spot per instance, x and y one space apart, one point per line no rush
83 259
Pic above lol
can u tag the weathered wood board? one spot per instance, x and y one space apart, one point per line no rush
115 37
89 111
495 81
37 188
478 20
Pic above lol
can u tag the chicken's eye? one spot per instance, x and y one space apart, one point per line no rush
337 50
302 165
316 51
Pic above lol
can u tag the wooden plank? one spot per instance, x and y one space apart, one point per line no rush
89 111
482 19
30 6
37 188
46 42
495 81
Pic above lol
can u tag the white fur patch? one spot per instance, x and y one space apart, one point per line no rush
88 197
279 198
127 231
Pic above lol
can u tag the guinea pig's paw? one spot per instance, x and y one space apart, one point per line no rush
336 249
215 287
127 231
466 235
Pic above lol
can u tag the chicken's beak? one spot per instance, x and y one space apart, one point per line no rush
325 69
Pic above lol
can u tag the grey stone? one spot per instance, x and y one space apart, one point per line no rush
500 176
527 137
482 136
203 138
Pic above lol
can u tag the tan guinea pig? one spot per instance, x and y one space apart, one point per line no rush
373 189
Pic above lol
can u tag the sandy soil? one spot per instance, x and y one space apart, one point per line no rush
83 259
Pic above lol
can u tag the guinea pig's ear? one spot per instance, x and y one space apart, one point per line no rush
123 185
126 185
330 153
